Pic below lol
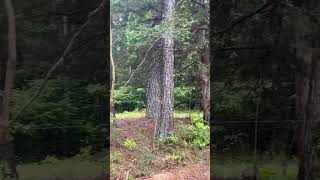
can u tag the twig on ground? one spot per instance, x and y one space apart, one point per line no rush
127 175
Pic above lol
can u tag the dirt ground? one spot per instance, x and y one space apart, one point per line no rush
194 165
201 172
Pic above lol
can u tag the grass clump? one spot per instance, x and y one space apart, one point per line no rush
178 157
130 144
116 157
149 158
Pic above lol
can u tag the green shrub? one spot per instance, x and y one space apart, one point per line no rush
130 144
129 98
168 143
182 96
197 134
177 157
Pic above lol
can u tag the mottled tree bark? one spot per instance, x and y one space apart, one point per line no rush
205 84
165 125
153 93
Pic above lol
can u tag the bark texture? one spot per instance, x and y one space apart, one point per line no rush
204 65
113 79
205 83
306 47
7 157
165 125
155 69
153 93
308 93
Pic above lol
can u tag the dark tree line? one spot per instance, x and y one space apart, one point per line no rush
275 43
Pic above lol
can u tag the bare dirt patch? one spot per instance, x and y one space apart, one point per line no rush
144 162
200 172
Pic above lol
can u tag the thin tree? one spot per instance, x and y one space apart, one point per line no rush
113 78
7 157
165 125
204 65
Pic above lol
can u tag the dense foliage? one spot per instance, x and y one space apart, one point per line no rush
71 112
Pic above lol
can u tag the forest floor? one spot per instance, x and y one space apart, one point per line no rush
146 159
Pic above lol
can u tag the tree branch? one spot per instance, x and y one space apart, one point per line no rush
186 67
143 60
242 19
235 48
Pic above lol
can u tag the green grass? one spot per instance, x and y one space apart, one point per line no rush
132 114
141 114
69 168
227 167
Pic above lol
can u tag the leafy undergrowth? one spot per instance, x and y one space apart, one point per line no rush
133 149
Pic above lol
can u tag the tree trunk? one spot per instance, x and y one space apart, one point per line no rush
308 93
204 66
7 157
205 85
307 50
113 79
153 93
165 125
155 69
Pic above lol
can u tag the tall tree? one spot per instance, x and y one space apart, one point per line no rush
7 156
204 66
308 87
304 44
165 125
